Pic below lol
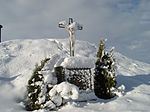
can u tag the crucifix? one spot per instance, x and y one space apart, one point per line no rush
71 27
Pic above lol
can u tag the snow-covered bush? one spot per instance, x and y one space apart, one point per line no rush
104 79
35 87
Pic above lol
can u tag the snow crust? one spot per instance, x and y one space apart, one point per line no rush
78 62
18 59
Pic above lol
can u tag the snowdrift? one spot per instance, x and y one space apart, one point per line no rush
18 59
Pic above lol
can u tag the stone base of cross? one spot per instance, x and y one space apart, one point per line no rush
71 27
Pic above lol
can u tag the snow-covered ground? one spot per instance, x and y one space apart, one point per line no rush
18 59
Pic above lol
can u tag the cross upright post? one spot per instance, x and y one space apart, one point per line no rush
71 27
0 32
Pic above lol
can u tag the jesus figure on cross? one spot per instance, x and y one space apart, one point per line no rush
71 27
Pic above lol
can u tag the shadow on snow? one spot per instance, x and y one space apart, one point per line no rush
131 82
4 80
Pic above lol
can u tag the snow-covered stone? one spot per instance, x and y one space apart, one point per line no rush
78 62
65 90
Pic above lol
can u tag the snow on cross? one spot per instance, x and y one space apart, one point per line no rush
71 27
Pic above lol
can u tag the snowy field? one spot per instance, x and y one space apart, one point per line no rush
18 59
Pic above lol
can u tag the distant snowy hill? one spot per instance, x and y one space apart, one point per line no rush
18 59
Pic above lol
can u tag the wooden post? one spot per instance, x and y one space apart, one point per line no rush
59 71
0 32
91 85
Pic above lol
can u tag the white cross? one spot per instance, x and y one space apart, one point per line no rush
71 27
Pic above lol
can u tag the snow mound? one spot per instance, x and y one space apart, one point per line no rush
130 67
66 90
18 59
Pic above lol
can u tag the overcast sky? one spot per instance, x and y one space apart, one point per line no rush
125 23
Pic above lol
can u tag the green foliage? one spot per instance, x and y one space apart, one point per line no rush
105 78
34 87
101 49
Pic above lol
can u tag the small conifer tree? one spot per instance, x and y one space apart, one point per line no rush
34 88
104 79
101 49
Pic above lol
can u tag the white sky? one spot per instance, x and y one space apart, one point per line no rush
125 23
